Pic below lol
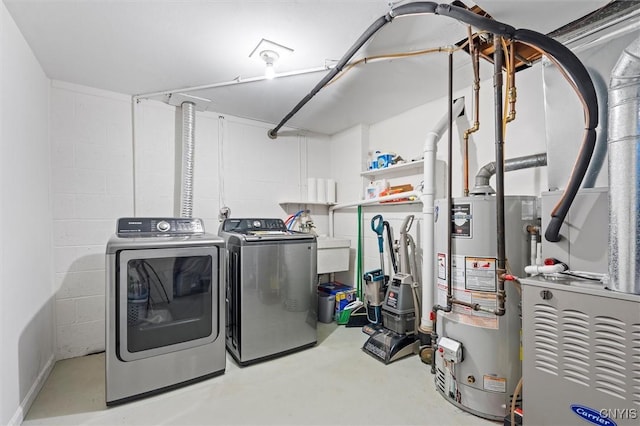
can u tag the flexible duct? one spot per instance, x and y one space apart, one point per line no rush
483 176
624 182
188 148
587 94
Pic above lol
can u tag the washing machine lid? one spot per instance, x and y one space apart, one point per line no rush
261 230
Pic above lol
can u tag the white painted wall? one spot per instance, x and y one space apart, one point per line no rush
405 134
348 152
236 164
92 185
26 258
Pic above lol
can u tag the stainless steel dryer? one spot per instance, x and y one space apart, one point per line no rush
271 289
164 306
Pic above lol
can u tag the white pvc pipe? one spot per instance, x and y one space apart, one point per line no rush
533 248
428 197
234 82
545 269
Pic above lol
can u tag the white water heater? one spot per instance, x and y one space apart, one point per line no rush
482 379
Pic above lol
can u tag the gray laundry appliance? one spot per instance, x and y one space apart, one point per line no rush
271 294
164 306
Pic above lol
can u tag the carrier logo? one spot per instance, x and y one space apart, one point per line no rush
592 416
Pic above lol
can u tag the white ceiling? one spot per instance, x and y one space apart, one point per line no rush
144 46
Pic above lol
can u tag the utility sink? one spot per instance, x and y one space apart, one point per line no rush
333 254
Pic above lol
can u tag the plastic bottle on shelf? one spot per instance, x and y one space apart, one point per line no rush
373 161
371 191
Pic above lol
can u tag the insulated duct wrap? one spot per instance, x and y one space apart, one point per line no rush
624 190
188 147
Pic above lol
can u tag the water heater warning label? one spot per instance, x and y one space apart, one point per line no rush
461 217
480 273
442 266
494 384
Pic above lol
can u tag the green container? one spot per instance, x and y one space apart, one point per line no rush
343 316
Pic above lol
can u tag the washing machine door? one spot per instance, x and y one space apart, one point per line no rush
167 300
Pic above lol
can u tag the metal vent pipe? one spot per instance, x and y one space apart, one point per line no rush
188 148
484 174
624 183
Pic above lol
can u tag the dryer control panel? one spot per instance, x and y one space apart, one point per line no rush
152 226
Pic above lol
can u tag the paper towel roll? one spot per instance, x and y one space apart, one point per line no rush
322 190
312 190
331 191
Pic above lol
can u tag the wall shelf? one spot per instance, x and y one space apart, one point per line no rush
404 169
286 204
409 206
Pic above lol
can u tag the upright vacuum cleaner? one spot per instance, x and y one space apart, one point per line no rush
376 281
396 337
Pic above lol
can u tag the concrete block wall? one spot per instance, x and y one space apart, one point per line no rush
91 185
102 171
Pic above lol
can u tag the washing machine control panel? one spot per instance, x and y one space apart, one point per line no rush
246 226
145 226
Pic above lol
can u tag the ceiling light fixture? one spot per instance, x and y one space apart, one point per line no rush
269 57
270 52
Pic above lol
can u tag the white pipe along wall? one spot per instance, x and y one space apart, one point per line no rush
428 197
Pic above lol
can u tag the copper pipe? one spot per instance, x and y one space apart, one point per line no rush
511 90
475 62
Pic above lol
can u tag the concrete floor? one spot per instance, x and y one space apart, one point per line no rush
333 383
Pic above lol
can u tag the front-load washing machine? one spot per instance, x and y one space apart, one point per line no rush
165 321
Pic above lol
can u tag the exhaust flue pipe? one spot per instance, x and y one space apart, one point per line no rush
483 176
188 149
624 183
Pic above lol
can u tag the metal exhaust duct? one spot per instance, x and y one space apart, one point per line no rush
188 148
624 183
483 177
